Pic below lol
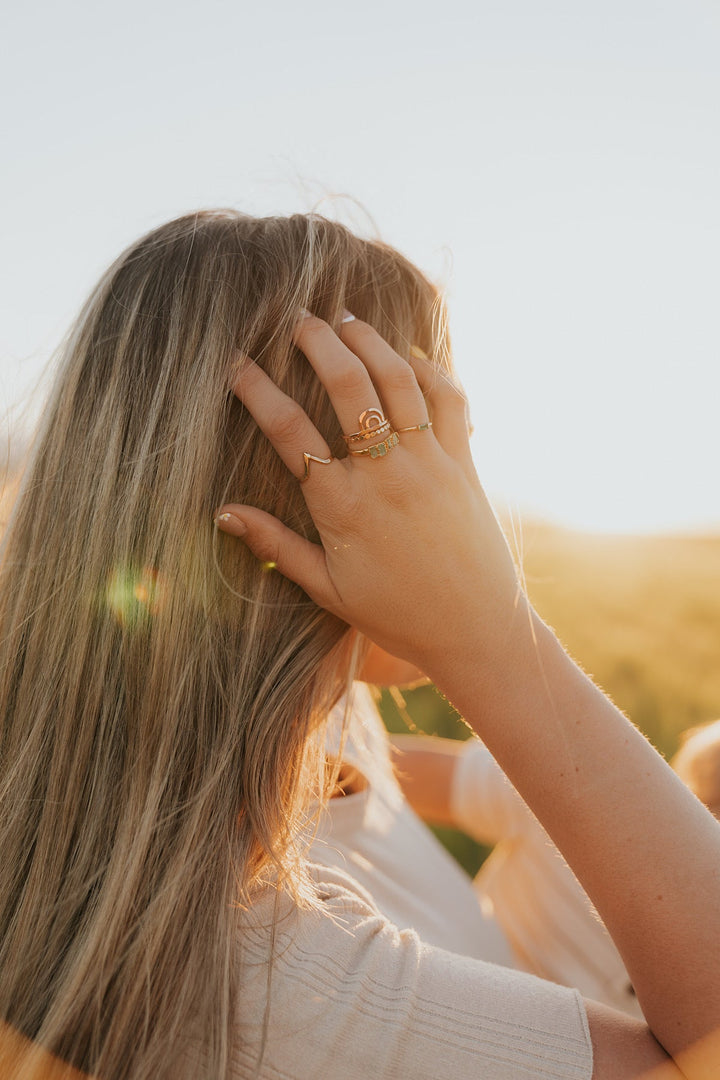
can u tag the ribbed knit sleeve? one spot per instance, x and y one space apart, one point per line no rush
350 995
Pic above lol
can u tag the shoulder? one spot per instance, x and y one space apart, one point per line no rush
346 984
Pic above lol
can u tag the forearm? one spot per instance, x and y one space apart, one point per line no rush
425 768
617 812
410 554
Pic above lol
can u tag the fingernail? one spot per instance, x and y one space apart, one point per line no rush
418 353
305 314
238 526
347 316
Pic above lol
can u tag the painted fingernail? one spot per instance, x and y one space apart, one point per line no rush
238 527
418 353
347 316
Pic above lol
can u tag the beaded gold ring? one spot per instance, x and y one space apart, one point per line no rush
372 423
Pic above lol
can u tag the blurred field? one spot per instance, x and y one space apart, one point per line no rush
640 614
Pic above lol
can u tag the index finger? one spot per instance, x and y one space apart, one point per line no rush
286 424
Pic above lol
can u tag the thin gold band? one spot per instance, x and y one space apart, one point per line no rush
307 458
417 427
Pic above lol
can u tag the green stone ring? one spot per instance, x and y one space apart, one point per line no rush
417 427
379 449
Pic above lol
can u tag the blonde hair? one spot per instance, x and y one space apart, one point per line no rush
697 763
160 692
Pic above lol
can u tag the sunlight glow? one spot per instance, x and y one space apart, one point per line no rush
133 594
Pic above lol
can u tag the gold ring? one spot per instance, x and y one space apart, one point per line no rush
417 427
307 458
372 422
379 449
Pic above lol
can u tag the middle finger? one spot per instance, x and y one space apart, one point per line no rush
342 373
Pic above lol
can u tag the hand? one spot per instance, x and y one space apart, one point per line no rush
411 554
411 551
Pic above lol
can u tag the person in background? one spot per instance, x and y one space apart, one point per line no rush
255 462
697 763
525 884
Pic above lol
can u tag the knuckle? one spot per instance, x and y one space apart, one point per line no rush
265 548
287 425
350 504
349 379
400 377
360 329
310 324
450 394
270 550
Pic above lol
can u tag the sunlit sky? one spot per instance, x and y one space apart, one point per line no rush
555 165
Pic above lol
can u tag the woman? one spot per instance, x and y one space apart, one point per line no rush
164 695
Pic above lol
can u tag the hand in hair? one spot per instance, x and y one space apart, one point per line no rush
412 555
410 546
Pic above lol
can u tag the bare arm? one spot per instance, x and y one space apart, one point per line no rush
413 557
425 769
644 848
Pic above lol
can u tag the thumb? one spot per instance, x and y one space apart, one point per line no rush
296 558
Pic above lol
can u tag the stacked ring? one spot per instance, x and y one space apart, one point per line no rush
379 449
372 423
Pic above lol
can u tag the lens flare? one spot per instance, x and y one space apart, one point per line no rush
133 594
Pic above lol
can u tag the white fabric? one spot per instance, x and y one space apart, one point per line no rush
528 887
376 837
361 987
353 996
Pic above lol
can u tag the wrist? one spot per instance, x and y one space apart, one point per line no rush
495 653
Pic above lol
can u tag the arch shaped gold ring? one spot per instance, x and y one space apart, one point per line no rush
372 422
307 458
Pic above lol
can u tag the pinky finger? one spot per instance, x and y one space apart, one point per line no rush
449 409
296 558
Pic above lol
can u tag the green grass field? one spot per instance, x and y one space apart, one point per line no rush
640 614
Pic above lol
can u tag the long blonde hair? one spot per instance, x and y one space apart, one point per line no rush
159 689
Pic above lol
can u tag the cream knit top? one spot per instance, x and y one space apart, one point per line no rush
397 972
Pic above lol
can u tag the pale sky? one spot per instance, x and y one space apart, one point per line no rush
555 164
